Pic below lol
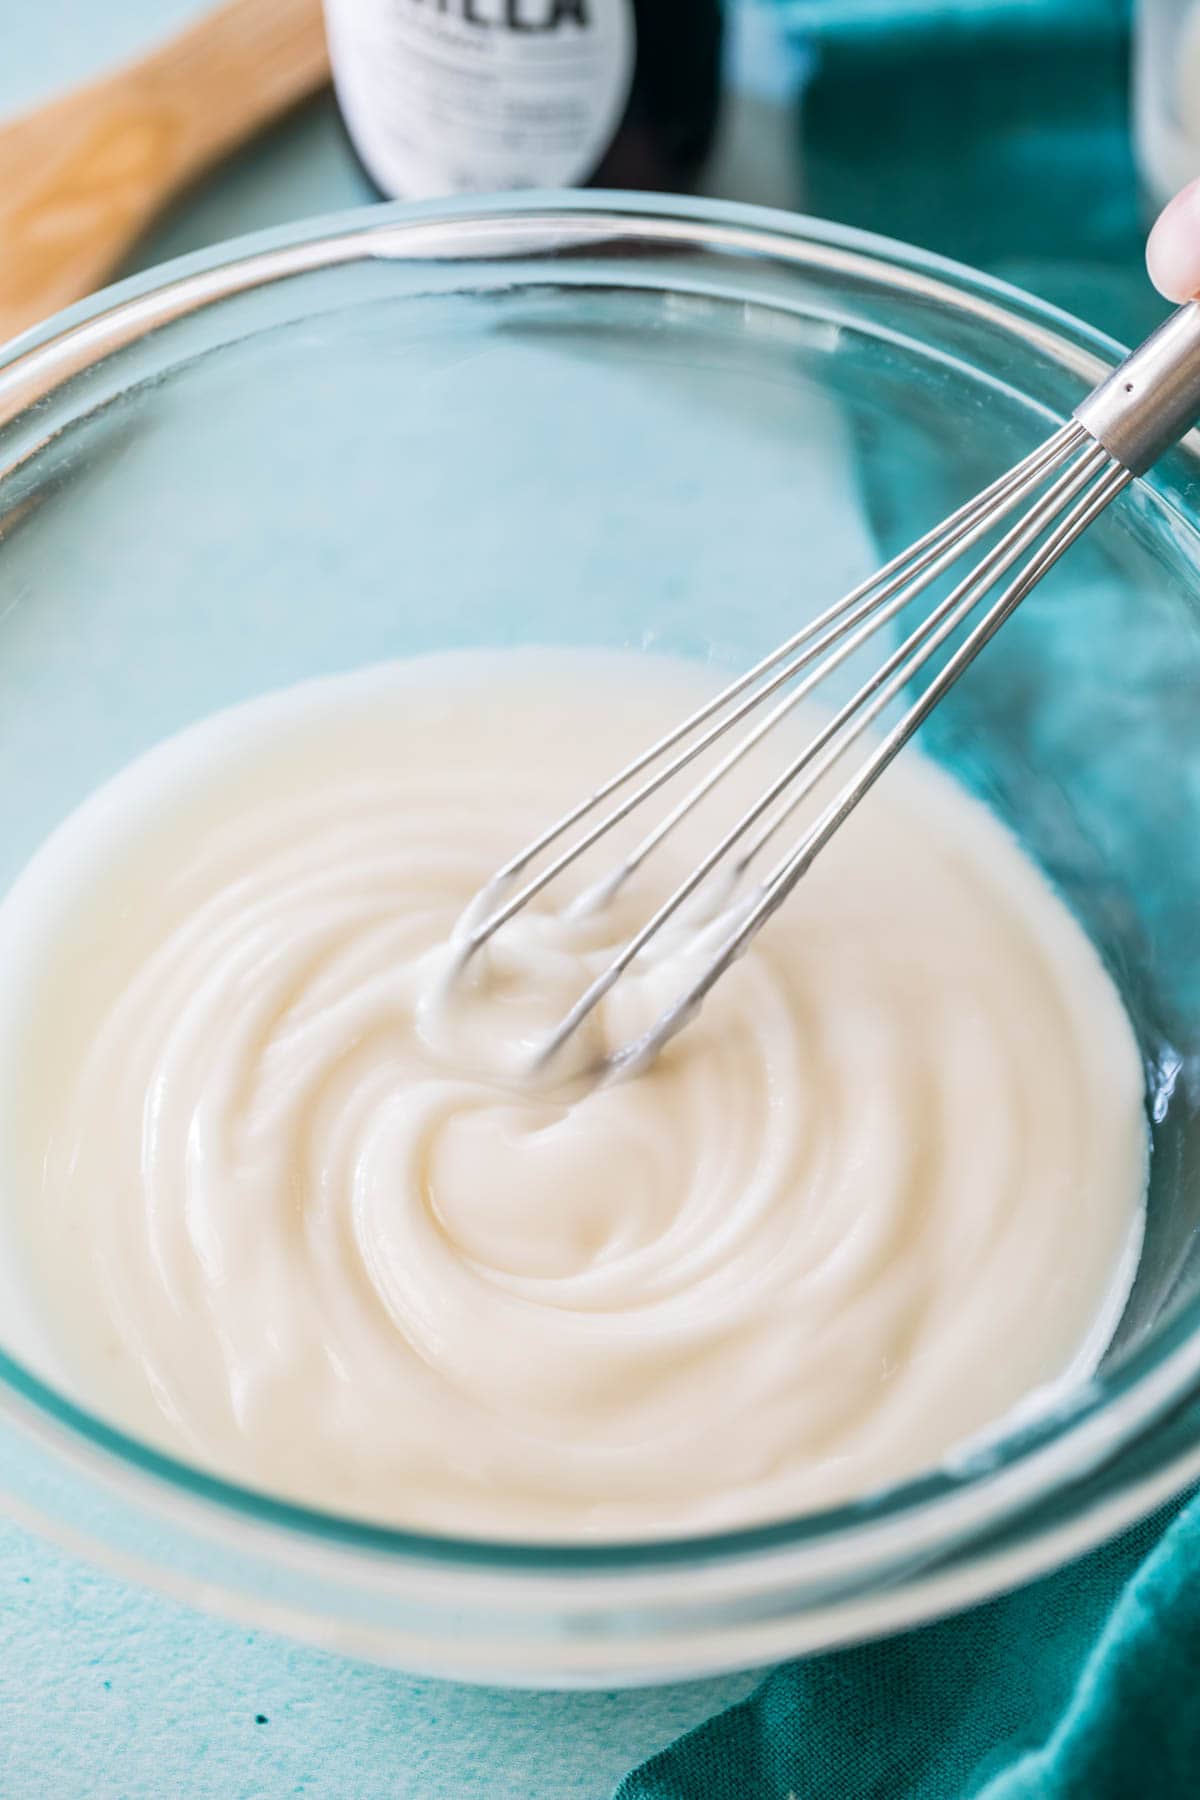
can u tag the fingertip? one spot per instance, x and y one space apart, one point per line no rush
1173 247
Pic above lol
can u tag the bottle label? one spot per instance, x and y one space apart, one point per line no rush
466 96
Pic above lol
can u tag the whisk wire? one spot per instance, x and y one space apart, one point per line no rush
1091 467
776 888
1117 431
880 615
866 607
915 651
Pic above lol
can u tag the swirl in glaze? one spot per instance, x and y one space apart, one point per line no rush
296 1215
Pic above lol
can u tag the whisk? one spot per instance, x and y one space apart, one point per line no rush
1116 433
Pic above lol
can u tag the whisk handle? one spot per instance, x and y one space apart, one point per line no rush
1152 398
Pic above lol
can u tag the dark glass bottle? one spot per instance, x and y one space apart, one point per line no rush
461 96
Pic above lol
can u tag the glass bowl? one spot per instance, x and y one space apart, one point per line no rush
600 419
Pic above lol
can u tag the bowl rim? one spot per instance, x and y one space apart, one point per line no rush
936 1509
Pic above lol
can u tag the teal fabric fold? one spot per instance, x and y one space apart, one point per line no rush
992 131
995 132
1082 1686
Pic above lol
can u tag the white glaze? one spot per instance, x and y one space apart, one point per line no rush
293 1217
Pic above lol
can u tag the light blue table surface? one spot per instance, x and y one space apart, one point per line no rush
115 1694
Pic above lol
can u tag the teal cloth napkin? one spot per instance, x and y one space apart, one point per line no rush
996 132
992 131
1082 1686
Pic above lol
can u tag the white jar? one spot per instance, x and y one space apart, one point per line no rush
1166 94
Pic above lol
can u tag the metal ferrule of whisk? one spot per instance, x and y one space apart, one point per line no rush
1146 405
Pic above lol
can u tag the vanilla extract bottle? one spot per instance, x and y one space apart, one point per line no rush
467 96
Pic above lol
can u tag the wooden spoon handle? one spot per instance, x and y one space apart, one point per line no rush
82 178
